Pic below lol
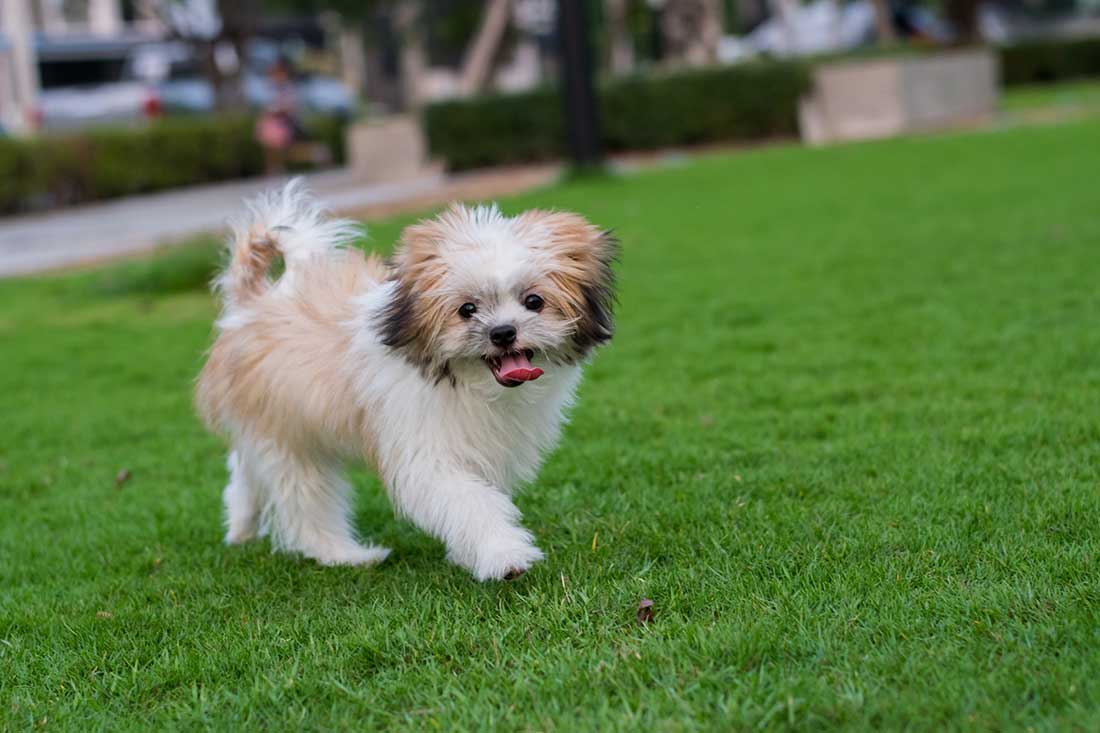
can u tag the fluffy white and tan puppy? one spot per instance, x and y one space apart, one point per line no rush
448 370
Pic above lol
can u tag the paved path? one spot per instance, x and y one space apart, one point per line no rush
58 239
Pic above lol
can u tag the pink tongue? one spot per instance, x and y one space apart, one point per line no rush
518 367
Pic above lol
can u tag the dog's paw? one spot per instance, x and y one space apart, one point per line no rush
240 535
505 558
350 555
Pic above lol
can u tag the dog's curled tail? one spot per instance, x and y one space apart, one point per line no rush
290 223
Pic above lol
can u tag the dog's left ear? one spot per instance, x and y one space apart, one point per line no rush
583 255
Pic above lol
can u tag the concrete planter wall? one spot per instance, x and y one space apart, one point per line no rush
856 100
387 150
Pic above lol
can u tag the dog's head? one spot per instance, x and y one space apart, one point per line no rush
519 295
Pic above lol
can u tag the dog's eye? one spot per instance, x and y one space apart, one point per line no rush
533 302
467 310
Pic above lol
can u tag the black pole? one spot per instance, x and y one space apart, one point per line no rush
578 96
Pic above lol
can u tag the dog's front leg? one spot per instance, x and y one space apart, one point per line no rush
477 522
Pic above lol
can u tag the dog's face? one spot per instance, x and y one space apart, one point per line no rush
513 295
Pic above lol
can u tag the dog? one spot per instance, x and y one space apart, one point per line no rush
449 369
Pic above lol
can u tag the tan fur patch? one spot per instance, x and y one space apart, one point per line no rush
282 374
419 312
251 260
582 277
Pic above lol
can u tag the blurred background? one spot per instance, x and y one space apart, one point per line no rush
106 99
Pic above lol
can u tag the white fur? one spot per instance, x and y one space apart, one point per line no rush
456 453
300 224
450 452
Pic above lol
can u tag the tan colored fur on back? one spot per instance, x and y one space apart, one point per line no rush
284 367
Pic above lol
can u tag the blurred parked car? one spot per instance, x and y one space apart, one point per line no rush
83 82
66 107
174 75
149 78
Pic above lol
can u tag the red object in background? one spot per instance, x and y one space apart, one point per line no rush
273 131
152 106
35 118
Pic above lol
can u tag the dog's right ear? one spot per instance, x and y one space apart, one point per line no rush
410 321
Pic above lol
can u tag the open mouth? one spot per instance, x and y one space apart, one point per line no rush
514 368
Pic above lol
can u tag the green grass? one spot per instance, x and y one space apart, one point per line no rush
846 439
1071 97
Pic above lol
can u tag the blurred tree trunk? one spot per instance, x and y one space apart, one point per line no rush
884 23
713 27
382 52
963 15
414 57
750 13
478 64
382 82
238 26
578 95
105 17
353 59
622 45
836 28
220 42
784 10
691 31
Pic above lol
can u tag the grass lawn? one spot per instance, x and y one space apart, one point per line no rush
847 439
1070 96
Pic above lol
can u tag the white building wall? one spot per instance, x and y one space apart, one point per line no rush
20 67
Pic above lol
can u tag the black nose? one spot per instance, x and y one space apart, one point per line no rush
502 335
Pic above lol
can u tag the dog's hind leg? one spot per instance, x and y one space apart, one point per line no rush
307 509
242 501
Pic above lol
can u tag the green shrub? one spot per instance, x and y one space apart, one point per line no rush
106 163
329 131
1034 62
746 102
498 129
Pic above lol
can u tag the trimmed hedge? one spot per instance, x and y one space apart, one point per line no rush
745 102
1035 62
92 165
